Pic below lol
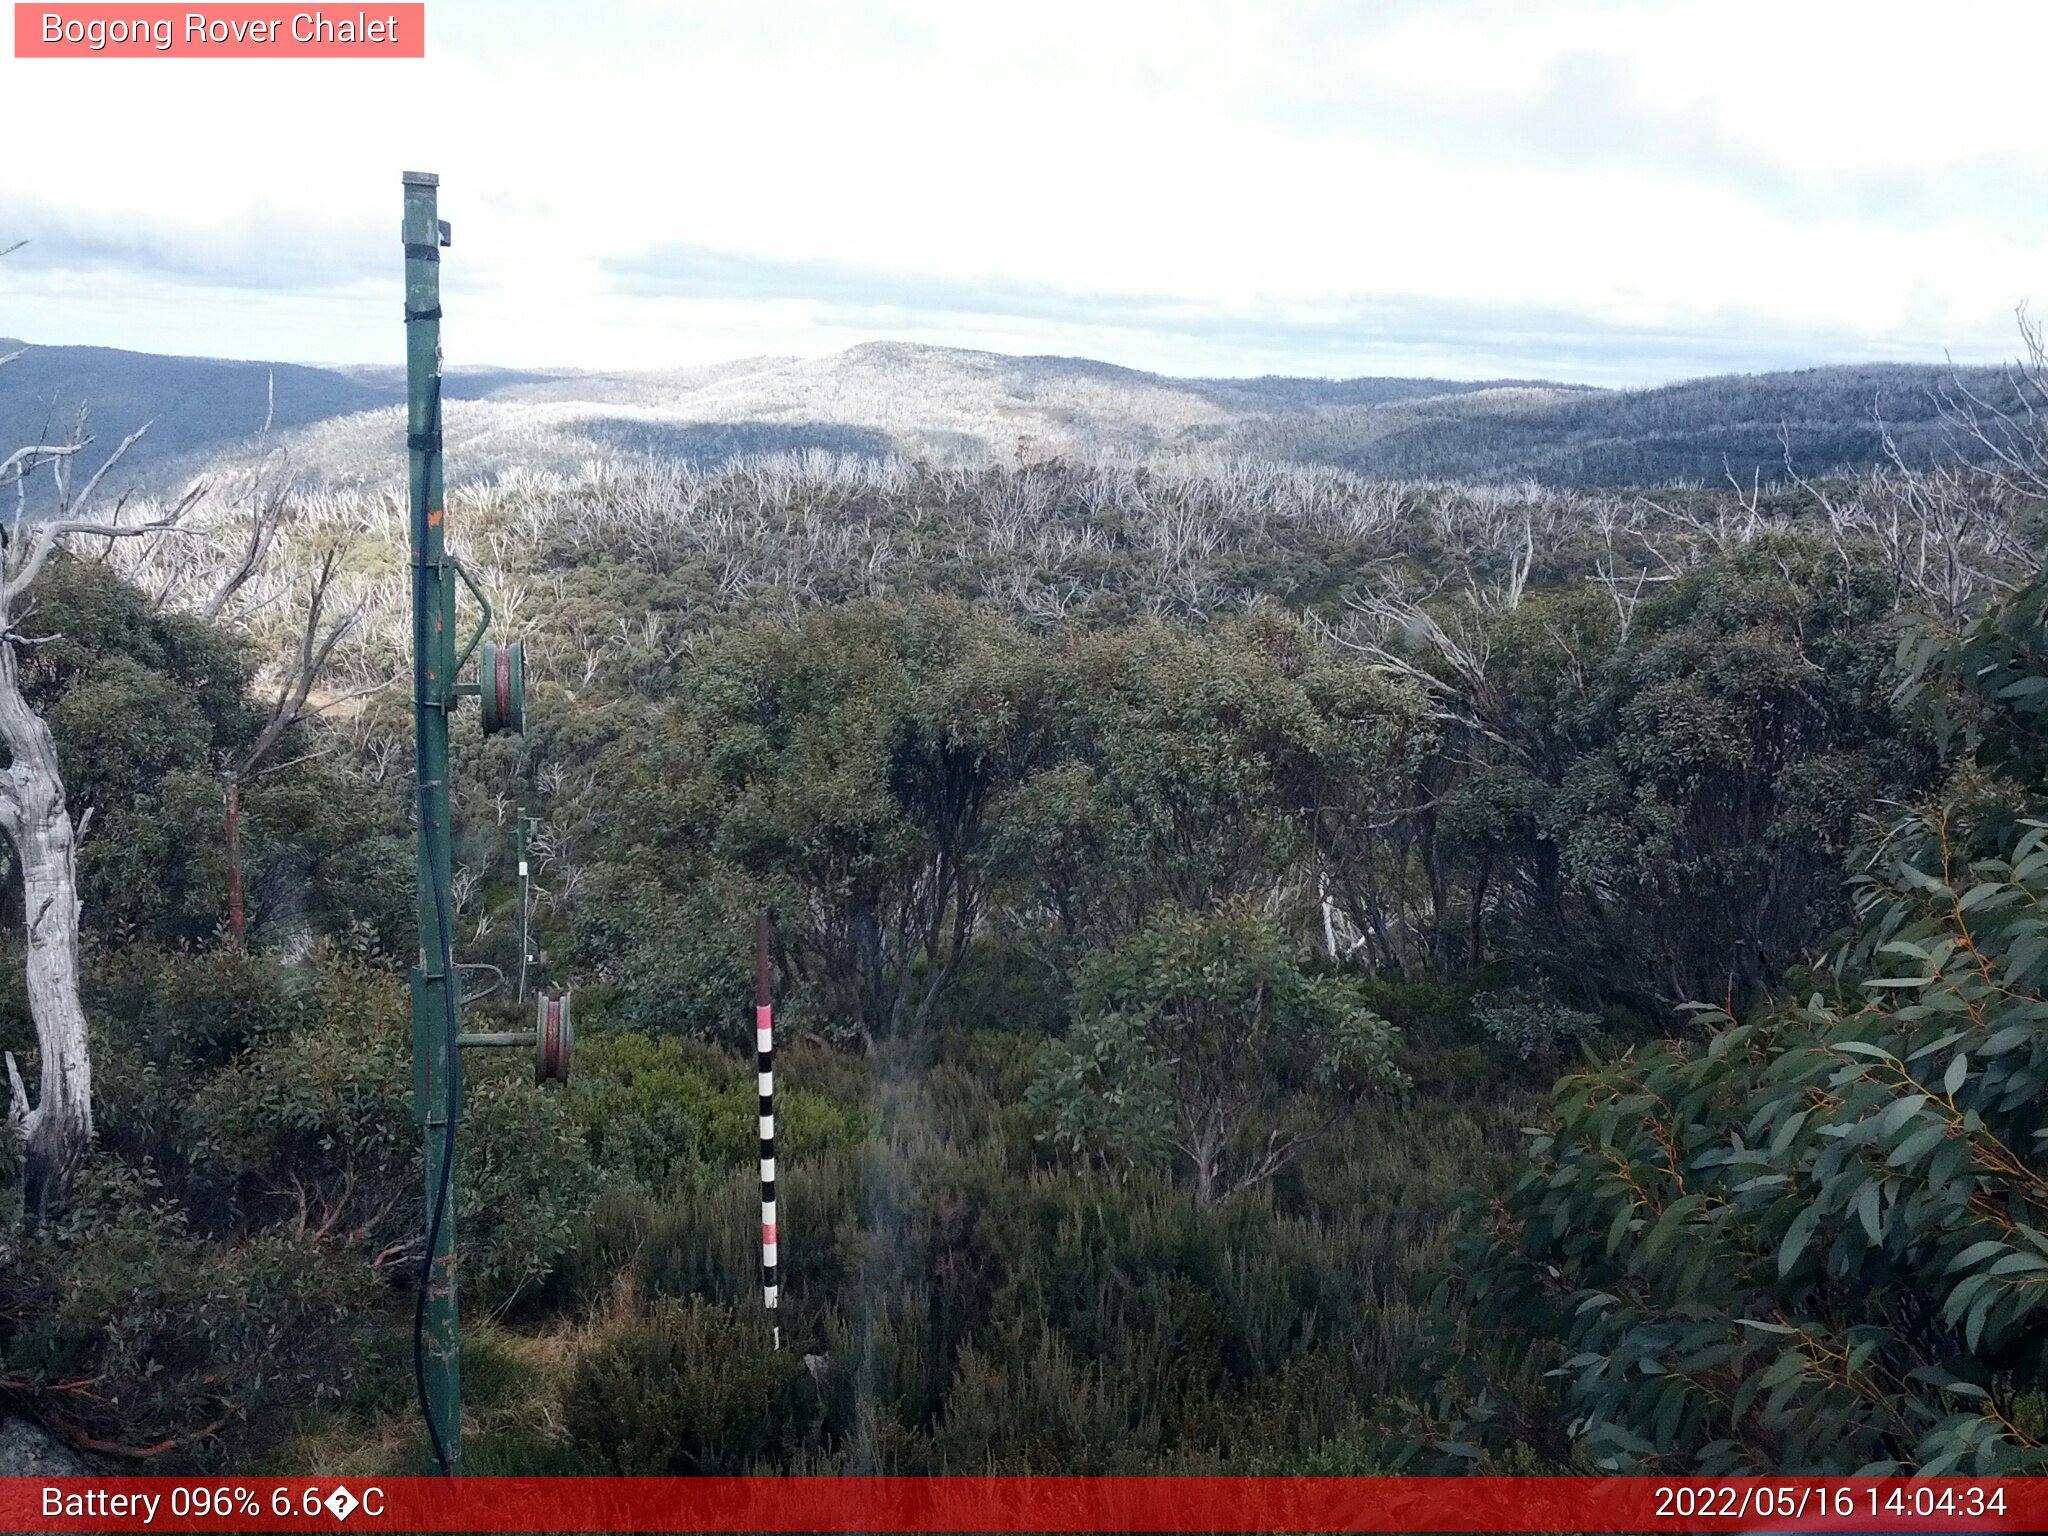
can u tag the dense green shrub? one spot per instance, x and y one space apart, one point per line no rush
1532 1027
968 1306
1666 804
130 1330
1814 1243
239 1251
663 1114
1204 1038
146 705
688 1389
899 780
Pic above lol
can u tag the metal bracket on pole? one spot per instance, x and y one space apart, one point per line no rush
483 622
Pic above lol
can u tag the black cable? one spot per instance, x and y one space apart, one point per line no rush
441 1192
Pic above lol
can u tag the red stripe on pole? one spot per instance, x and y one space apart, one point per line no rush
1006 1504
768 1232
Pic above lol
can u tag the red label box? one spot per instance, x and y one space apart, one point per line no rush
895 1506
229 31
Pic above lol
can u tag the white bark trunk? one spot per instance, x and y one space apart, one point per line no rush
56 1129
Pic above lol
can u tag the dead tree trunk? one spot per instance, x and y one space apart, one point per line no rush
55 1130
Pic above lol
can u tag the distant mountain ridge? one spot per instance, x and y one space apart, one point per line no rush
191 402
343 424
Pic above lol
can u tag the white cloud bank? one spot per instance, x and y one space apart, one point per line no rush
1606 192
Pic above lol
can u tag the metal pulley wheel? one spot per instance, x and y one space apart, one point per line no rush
501 686
553 1040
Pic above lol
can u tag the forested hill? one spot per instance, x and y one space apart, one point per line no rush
191 406
969 409
1831 420
190 403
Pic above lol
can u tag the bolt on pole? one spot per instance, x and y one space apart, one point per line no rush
437 1061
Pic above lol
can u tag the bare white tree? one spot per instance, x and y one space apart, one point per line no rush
279 580
56 1128
294 704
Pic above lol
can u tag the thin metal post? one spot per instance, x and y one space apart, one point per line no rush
437 1063
525 947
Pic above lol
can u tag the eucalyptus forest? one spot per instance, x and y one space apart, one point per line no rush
1279 970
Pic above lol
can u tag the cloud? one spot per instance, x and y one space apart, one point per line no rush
1339 333
704 272
1593 111
1596 189
287 256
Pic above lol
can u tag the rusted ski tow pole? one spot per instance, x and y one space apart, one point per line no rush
500 692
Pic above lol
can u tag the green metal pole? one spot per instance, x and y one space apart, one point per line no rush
437 1063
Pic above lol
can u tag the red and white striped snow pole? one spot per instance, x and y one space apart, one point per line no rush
764 1047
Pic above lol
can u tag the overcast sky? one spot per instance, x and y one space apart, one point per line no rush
1612 193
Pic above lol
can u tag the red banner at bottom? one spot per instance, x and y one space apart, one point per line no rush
1004 1504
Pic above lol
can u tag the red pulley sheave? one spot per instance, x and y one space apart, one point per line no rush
501 687
554 1040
